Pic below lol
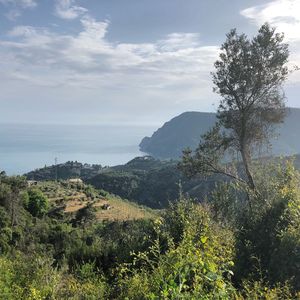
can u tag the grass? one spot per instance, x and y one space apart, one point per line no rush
108 207
124 210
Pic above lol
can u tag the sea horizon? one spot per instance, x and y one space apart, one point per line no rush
26 147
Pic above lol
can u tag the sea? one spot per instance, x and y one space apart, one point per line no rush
26 147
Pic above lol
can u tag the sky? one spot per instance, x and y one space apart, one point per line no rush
133 62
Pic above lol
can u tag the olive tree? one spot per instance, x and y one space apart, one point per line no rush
249 77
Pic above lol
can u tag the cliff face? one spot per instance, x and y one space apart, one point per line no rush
186 129
180 132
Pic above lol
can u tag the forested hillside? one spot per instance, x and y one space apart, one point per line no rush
148 181
151 182
70 169
62 241
145 180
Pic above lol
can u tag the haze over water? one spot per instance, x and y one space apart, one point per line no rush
24 147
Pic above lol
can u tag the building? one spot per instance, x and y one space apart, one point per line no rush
75 180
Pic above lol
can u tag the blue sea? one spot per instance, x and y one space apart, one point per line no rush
25 147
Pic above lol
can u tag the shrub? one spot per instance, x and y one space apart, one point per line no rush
190 258
37 203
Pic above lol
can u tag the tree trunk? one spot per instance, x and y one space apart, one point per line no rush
250 180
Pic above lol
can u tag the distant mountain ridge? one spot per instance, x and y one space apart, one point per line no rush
186 129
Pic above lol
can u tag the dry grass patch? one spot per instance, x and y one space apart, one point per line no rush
121 210
74 205
111 208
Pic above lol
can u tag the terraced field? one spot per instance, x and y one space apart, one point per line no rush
71 198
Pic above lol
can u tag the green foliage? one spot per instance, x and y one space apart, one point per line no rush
228 203
34 273
90 192
219 249
259 291
267 234
155 184
84 215
36 203
5 191
192 261
68 170
249 77
285 260
5 231
38 280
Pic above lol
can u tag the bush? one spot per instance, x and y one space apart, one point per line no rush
260 291
20 279
267 238
37 203
190 257
38 280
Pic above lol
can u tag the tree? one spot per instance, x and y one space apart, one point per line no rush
37 203
85 215
10 188
249 77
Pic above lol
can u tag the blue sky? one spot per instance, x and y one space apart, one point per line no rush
124 62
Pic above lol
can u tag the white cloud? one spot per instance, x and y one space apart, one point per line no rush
176 41
66 9
22 31
133 80
91 60
283 14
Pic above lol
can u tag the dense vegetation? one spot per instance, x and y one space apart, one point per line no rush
150 182
138 180
141 181
215 250
68 170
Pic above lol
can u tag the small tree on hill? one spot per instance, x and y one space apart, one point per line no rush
85 215
249 77
37 203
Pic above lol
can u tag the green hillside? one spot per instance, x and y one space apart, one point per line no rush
70 198
148 181
70 169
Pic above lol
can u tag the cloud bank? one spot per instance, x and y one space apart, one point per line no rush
88 59
116 79
54 75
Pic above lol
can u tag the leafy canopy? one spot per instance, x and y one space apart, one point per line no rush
249 77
